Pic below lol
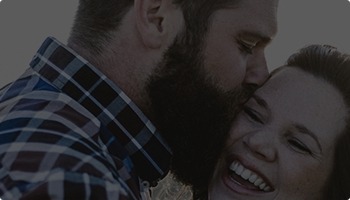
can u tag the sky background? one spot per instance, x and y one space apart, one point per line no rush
24 24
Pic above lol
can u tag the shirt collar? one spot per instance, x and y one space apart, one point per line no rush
76 77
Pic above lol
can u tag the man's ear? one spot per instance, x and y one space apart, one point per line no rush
149 16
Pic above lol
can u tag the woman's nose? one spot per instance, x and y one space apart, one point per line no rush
261 146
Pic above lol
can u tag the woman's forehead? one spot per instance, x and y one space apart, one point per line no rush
297 96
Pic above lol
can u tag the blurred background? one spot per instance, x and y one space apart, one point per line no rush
25 24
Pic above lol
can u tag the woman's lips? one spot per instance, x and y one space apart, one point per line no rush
245 179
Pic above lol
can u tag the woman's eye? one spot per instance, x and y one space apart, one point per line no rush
245 47
252 115
299 146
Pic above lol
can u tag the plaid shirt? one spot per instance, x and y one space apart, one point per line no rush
68 132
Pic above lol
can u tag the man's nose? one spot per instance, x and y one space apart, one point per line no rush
261 146
257 71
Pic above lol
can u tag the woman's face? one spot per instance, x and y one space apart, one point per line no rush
281 145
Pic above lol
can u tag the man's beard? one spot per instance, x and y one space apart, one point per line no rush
192 113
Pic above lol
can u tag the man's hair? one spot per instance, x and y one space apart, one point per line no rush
95 20
329 64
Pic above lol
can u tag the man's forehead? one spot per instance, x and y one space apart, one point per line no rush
260 18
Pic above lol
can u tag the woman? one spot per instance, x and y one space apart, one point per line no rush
292 138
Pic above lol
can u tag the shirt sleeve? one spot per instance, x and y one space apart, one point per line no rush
66 185
47 152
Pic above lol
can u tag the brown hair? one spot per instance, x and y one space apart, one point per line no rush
328 63
96 19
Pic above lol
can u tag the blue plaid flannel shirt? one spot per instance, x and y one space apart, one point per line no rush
68 132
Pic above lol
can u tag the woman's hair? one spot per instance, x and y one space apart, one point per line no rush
331 65
95 20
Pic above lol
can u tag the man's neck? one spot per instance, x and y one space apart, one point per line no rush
122 72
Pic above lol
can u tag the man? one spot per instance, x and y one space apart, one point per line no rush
81 123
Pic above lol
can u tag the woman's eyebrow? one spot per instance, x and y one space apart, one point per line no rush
304 130
260 101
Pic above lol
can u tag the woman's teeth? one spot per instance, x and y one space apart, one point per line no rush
250 176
